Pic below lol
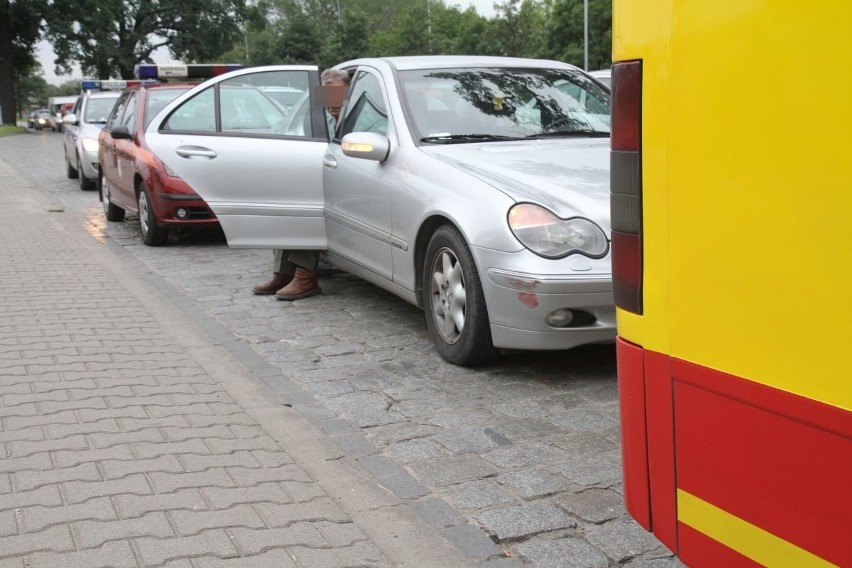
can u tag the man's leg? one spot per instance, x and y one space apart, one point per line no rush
304 282
281 276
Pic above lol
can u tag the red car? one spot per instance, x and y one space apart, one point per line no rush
134 180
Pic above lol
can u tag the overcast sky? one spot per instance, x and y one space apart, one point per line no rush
46 56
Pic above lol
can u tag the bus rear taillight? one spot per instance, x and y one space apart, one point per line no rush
626 185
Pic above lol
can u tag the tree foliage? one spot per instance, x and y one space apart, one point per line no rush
109 37
20 29
330 31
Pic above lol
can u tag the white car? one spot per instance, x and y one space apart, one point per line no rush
82 127
603 75
474 187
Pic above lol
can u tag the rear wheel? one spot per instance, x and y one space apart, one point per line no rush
85 183
152 234
455 305
112 212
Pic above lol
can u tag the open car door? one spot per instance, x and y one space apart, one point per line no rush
256 160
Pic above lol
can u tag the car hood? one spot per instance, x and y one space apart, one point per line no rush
568 176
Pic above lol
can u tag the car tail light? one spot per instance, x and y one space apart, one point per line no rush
626 185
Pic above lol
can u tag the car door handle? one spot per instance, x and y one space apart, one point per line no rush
329 161
195 151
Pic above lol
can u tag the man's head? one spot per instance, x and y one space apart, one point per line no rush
336 82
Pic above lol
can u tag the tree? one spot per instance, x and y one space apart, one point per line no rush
20 29
565 32
520 24
109 37
30 90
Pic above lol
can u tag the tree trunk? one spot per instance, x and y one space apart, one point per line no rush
7 66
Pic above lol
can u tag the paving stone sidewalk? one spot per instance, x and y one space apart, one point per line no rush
128 439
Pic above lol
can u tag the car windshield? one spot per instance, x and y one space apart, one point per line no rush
157 100
503 103
98 109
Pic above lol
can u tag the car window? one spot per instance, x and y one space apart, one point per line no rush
365 111
157 99
299 121
117 110
129 116
247 105
246 109
196 114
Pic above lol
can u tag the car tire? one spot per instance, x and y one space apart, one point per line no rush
152 234
86 184
69 170
453 299
111 211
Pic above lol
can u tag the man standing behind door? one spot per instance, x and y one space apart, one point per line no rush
294 273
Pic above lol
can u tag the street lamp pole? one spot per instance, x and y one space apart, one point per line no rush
586 34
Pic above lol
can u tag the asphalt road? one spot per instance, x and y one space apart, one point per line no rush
517 462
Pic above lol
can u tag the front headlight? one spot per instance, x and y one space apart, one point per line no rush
547 235
90 144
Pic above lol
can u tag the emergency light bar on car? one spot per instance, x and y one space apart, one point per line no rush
109 84
179 71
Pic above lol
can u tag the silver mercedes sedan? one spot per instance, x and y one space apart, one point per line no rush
474 187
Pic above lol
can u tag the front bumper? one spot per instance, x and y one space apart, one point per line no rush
89 164
521 290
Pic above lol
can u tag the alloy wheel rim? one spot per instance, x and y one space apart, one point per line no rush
105 194
143 212
448 296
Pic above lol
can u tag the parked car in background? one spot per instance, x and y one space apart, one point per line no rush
474 187
82 126
134 180
604 76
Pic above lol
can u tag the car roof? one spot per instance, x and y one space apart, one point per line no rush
413 62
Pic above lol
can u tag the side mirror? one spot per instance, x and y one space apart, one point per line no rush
120 133
70 119
366 145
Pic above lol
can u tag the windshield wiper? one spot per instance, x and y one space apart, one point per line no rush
459 138
569 133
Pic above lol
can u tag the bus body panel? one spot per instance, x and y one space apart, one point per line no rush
747 288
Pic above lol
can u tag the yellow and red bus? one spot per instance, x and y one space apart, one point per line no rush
732 269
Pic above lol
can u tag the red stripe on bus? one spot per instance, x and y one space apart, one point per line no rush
634 439
756 453
799 408
698 550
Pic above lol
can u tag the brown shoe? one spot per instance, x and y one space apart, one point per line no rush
279 280
304 284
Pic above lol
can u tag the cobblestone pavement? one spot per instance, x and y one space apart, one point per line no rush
516 463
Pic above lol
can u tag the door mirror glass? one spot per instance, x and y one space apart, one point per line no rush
120 133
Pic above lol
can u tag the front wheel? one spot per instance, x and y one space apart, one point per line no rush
455 305
111 211
69 169
152 234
